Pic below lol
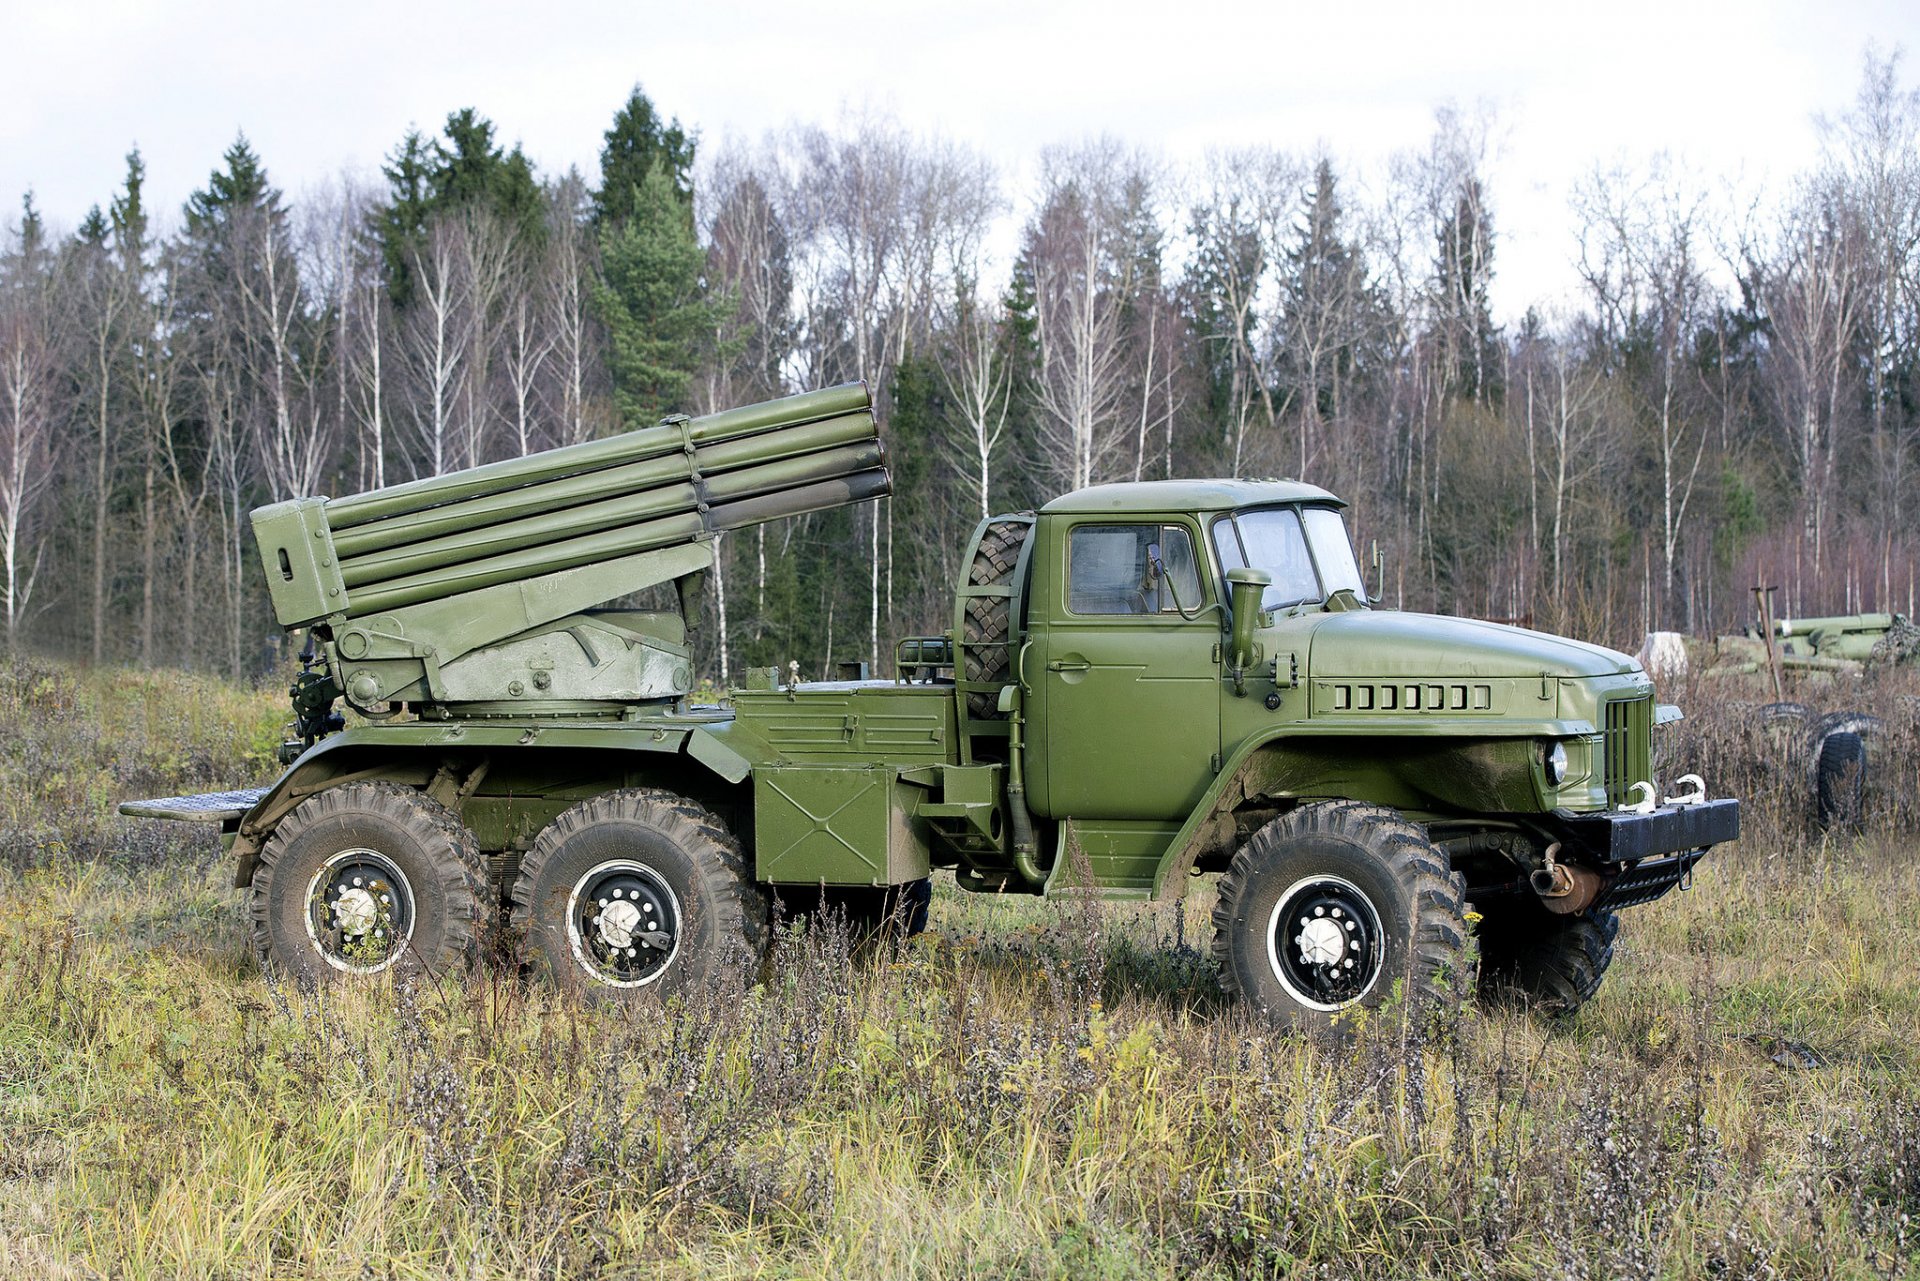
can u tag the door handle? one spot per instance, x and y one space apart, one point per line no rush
1068 665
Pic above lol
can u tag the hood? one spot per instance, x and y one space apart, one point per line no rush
1370 644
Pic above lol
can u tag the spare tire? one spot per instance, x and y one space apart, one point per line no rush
1840 780
987 627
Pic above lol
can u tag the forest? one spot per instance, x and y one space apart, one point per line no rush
1733 399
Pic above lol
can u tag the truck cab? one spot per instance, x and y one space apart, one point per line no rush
1198 683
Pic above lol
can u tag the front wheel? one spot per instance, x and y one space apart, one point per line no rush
1540 959
1332 908
639 890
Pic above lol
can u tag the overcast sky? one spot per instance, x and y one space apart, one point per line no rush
1730 89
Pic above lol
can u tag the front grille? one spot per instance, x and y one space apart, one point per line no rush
1627 745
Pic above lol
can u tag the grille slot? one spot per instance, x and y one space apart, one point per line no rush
1627 745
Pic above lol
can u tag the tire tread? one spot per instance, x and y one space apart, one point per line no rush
462 872
1410 858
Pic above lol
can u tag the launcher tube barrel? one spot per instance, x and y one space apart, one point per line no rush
686 527
612 482
594 455
627 510
1835 623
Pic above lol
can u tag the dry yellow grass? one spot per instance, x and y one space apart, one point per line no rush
1035 1090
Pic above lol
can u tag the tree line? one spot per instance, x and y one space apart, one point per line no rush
1732 399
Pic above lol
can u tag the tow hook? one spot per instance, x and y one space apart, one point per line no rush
1695 797
1650 799
1565 889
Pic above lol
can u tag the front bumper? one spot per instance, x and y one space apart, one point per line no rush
1643 855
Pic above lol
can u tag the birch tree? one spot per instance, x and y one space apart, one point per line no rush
29 368
1641 258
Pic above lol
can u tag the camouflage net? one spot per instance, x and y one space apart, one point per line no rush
1900 644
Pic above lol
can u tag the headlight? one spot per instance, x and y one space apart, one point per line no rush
1556 763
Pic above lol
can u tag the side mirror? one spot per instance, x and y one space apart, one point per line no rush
1245 588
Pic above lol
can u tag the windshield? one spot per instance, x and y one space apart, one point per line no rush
1273 539
1333 551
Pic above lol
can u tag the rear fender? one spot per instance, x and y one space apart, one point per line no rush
415 754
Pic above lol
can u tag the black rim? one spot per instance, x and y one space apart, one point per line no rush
1325 943
623 922
360 911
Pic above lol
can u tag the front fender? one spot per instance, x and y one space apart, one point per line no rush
1476 770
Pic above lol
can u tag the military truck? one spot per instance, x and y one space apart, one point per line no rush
1143 684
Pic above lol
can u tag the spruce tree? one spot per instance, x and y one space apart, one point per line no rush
1330 311
465 169
653 296
399 224
1463 273
651 301
240 191
638 144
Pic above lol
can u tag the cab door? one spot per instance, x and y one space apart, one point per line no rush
1125 673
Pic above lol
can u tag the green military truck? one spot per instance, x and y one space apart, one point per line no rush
1143 684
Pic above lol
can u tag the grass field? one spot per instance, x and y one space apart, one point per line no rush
1033 1090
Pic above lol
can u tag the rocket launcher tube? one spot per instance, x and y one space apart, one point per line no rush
627 510
594 455
687 527
612 482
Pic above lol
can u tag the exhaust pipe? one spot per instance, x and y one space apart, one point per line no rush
1565 889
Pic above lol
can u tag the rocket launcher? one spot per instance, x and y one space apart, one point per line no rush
483 587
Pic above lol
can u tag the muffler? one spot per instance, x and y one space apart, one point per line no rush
1565 889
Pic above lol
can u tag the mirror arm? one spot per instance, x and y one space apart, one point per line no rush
1201 611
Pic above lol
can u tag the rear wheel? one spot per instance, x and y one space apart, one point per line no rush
886 911
1335 907
1534 957
365 878
640 890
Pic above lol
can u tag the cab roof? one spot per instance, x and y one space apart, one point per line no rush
1188 496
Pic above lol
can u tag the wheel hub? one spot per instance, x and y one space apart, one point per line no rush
623 922
617 923
1325 942
1321 942
356 911
360 911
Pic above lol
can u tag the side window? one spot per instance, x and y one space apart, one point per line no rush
1111 570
